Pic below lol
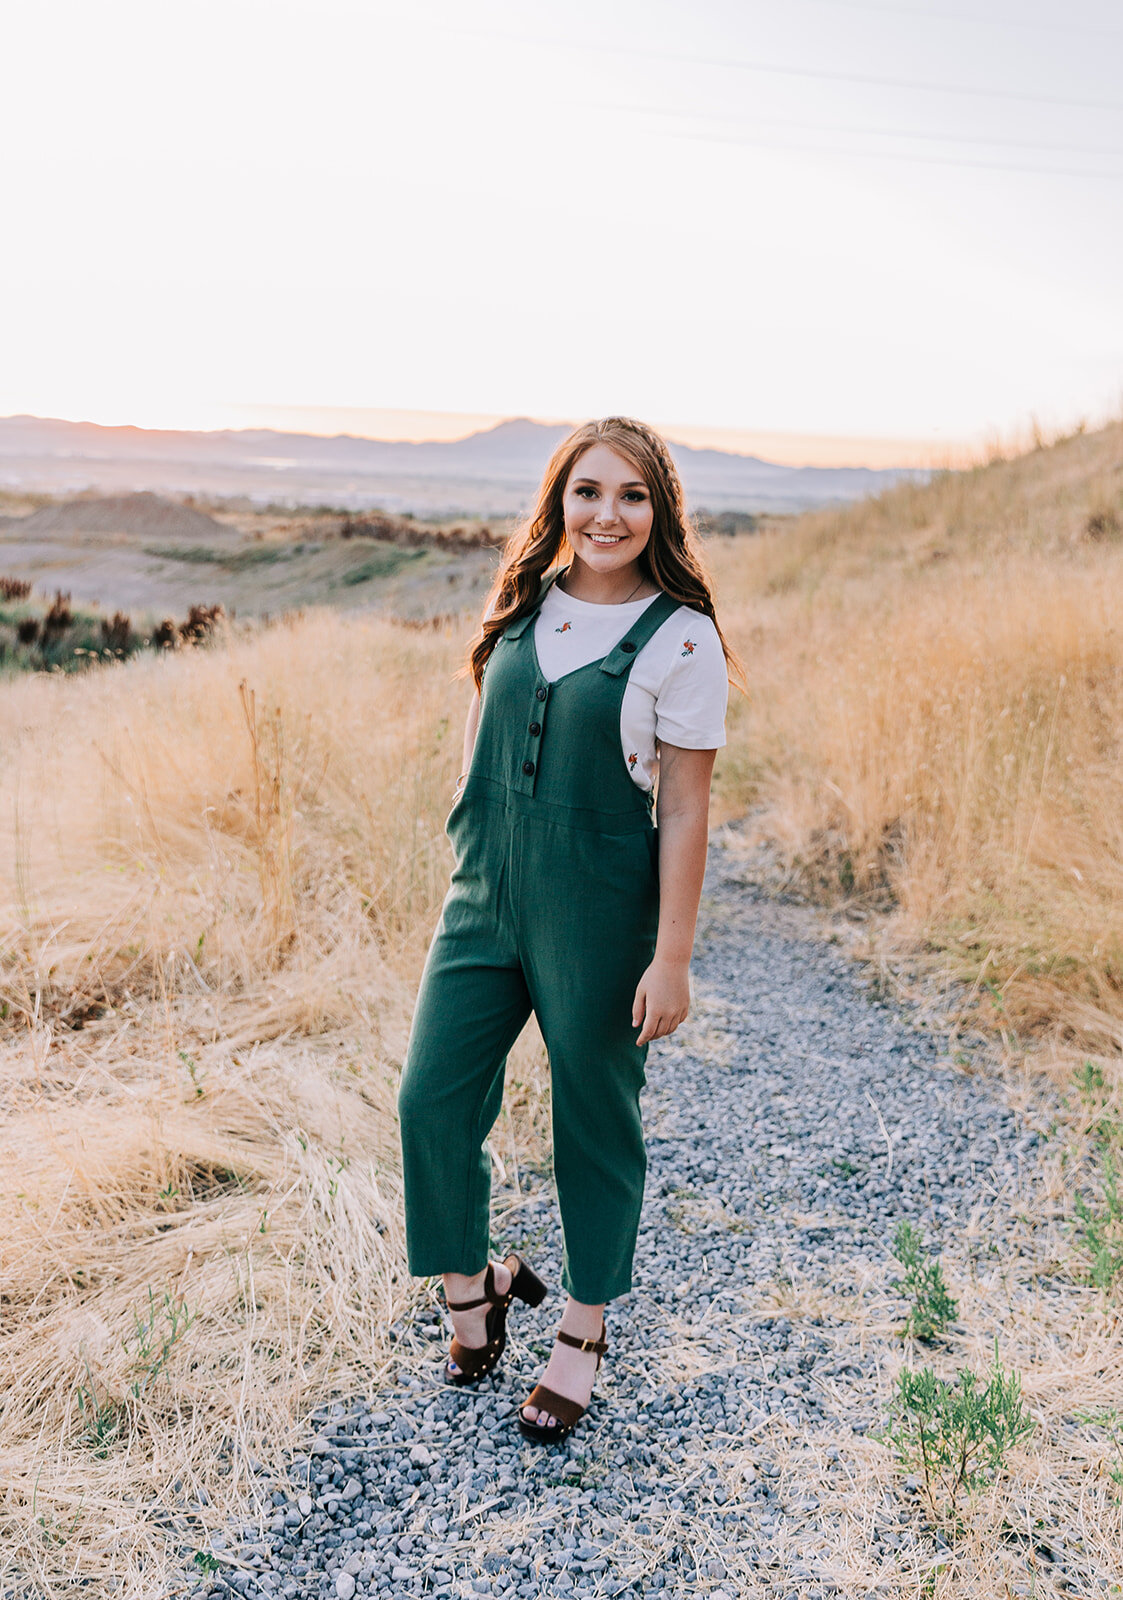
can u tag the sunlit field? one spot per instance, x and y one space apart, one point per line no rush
219 872
935 724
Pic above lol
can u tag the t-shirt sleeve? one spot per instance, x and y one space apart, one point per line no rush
691 704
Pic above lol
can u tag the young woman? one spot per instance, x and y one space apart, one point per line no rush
599 664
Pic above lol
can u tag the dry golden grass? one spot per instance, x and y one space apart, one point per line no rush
936 721
220 873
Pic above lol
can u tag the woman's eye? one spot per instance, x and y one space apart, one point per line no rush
584 490
635 494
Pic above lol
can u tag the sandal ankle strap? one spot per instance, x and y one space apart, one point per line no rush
490 1295
599 1345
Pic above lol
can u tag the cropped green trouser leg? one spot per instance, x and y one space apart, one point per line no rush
552 907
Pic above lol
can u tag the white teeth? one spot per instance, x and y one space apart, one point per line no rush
602 538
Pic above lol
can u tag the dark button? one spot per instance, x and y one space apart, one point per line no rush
628 646
528 767
540 694
536 727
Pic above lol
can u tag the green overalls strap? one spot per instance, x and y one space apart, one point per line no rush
553 907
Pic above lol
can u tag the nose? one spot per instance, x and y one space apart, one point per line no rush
607 513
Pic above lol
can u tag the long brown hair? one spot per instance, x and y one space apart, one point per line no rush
672 558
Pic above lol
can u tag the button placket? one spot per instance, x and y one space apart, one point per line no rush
532 741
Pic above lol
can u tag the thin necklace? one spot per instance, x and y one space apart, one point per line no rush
565 573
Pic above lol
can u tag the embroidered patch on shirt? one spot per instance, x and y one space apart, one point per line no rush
564 627
688 647
632 759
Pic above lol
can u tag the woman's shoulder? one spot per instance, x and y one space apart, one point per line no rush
686 619
685 649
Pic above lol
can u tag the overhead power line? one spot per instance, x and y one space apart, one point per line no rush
980 141
902 155
975 18
773 69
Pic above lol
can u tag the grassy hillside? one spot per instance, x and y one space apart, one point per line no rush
219 871
935 724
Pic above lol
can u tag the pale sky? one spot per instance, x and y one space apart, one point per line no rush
836 218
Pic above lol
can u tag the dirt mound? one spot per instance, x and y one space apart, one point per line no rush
144 516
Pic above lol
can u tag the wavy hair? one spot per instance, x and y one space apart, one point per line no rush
672 558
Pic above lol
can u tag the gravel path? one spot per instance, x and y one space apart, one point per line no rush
792 1122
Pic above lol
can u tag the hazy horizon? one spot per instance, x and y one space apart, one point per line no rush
386 424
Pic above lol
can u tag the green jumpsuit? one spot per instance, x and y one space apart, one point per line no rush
552 907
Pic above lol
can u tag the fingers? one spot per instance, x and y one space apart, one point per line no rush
658 1025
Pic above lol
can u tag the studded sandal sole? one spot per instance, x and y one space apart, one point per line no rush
567 1411
476 1361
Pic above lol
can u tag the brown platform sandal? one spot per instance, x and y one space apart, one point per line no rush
476 1361
567 1411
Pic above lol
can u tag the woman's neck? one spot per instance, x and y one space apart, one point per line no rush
605 588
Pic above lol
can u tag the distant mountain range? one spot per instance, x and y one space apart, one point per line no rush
491 473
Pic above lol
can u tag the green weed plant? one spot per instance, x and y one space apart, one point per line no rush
1099 1224
156 1332
955 1436
932 1308
102 1417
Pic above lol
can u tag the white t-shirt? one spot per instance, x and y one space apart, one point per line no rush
677 689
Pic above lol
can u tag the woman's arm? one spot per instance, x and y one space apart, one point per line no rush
682 809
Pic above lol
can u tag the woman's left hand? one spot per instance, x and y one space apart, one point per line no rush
662 1000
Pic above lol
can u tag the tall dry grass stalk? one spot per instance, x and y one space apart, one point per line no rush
220 872
936 717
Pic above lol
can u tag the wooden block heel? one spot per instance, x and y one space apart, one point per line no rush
476 1361
527 1284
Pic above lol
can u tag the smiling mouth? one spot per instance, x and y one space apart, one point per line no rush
605 538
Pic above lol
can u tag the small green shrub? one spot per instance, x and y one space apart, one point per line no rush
1089 1079
1099 1224
1099 1227
156 1332
955 1436
193 1073
102 1417
932 1308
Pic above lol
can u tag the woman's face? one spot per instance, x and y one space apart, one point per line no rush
607 508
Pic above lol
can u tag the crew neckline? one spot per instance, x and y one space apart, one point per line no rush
602 605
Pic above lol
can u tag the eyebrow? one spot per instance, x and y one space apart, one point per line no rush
632 483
